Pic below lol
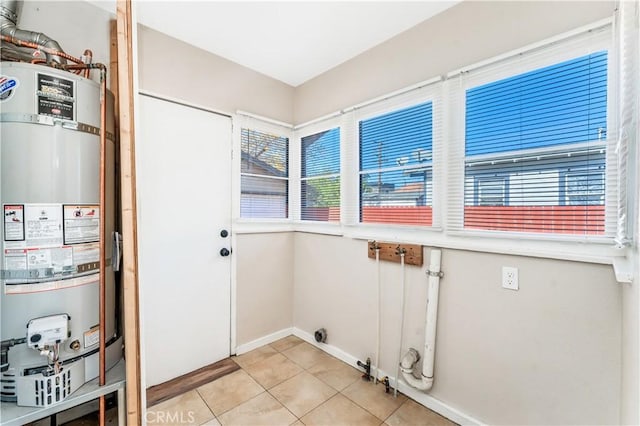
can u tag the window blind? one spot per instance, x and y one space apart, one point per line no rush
535 142
396 166
320 176
264 174
628 38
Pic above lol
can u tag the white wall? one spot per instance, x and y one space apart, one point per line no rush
264 284
178 70
546 354
464 34
630 409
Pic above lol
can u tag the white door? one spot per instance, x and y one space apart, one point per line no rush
183 178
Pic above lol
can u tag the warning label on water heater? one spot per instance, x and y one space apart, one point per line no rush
49 246
14 222
56 96
43 224
81 224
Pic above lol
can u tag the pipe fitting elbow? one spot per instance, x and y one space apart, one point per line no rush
9 10
409 360
422 384
40 39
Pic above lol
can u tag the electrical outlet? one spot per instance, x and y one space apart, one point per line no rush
510 278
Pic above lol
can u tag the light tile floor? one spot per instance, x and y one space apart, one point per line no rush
291 382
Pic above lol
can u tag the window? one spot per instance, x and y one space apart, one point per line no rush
264 168
491 191
584 188
396 173
536 148
320 186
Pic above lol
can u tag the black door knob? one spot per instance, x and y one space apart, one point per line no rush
224 233
224 252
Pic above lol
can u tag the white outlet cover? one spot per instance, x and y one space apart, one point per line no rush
510 278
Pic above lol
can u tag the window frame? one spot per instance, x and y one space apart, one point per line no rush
311 131
500 180
446 163
540 55
429 91
249 121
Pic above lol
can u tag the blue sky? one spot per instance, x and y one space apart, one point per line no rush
560 104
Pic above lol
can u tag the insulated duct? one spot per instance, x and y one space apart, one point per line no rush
9 11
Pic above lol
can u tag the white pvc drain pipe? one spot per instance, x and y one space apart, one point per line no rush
425 382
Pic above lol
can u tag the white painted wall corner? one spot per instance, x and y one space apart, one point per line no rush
265 340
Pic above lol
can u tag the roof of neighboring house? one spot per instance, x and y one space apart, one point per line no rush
269 169
412 187
407 192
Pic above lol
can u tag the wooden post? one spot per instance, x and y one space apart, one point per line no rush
113 69
129 225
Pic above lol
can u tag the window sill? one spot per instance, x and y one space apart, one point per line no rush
592 251
267 226
596 250
326 228
262 226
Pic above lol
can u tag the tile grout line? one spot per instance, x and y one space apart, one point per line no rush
284 406
340 392
207 405
397 409
306 370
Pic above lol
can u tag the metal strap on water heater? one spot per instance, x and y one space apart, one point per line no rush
16 117
45 274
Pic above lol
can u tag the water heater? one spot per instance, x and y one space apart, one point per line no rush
49 258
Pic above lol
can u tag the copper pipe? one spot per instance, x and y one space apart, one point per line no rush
53 52
102 410
79 67
87 54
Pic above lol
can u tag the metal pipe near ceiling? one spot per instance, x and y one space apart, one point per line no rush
8 27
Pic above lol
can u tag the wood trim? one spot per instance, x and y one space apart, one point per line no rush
113 69
129 212
391 252
174 387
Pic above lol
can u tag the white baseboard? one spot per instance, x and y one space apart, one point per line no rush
418 396
331 350
265 340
